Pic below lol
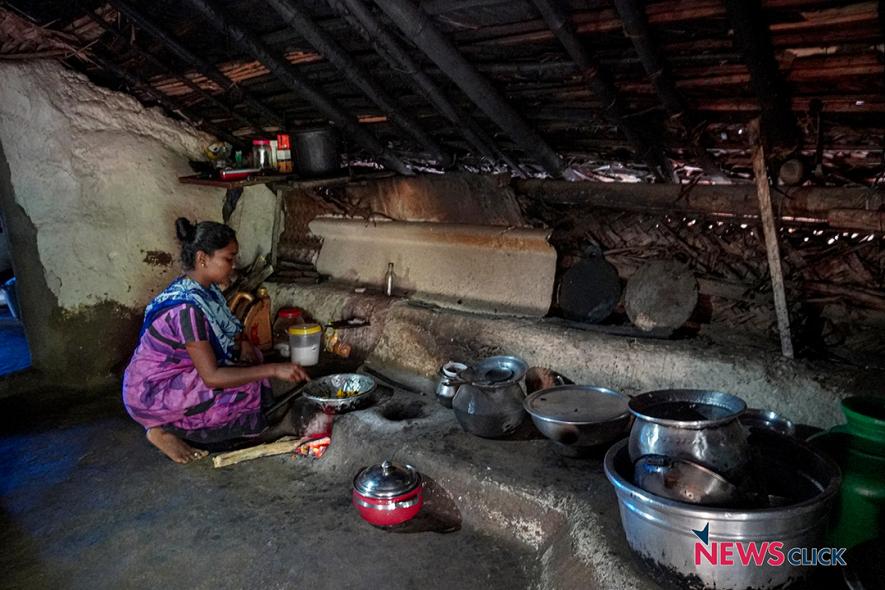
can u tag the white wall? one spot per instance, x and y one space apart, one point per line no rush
96 175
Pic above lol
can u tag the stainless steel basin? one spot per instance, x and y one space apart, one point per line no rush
661 534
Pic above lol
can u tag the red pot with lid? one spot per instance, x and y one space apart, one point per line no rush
388 494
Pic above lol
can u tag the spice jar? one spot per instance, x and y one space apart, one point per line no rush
284 154
261 154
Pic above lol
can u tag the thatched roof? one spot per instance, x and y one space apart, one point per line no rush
813 67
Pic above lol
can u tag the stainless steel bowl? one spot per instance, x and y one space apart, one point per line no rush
684 481
323 391
768 420
661 531
579 416
693 424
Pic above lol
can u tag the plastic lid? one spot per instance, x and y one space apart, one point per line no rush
387 480
260 142
304 330
289 313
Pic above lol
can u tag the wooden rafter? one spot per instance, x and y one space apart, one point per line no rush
417 26
752 38
104 26
363 21
601 84
300 20
632 13
192 59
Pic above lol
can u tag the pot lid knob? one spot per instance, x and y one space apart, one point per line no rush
386 480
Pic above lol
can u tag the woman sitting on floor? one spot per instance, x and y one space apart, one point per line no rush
193 379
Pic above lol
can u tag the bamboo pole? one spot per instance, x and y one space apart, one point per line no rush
760 172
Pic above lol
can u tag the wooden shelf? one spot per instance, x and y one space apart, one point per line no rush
229 184
285 181
294 182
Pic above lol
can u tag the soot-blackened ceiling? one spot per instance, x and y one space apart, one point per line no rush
616 89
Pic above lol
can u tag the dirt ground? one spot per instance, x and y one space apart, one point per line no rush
87 503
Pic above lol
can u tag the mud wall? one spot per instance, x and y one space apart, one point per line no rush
89 192
450 198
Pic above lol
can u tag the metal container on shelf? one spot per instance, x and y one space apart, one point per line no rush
315 152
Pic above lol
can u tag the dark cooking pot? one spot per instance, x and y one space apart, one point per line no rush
489 401
315 152
388 494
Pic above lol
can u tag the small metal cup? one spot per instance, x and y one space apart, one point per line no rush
448 383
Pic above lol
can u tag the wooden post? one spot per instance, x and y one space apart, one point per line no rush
766 213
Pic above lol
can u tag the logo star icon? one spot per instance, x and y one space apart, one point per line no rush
703 534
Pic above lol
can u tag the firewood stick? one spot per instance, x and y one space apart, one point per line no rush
286 444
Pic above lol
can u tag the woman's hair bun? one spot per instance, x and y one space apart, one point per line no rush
185 230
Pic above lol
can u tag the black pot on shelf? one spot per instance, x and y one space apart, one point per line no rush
315 152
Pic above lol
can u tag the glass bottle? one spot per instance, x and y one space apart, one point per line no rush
388 280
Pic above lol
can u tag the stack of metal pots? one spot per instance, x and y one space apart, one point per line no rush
689 445
691 478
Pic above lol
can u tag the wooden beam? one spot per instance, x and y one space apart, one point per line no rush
190 58
632 13
158 64
841 208
419 28
602 86
753 39
364 22
294 15
170 103
769 230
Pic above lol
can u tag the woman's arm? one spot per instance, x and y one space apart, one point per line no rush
216 377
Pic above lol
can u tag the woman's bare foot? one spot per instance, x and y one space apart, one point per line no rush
173 447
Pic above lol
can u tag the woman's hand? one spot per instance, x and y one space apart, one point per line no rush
248 354
289 372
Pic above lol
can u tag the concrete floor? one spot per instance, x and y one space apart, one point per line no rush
86 503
